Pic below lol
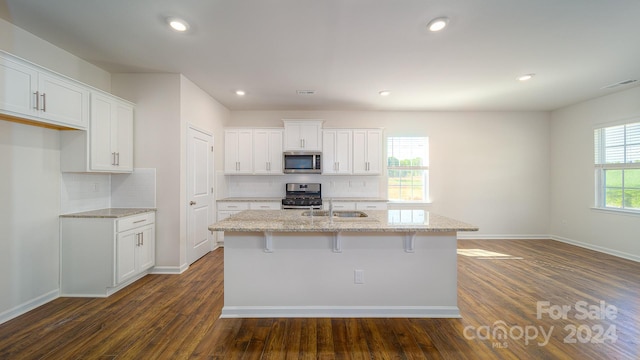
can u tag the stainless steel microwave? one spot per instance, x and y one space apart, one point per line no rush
302 162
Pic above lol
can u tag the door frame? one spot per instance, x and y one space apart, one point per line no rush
211 237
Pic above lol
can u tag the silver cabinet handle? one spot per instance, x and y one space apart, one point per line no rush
139 221
117 159
192 203
142 236
37 105
44 102
113 158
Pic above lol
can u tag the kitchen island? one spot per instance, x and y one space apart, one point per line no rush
292 263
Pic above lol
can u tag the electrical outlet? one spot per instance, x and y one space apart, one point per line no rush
358 276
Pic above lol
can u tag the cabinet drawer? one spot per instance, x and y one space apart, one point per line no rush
264 205
225 205
371 206
135 221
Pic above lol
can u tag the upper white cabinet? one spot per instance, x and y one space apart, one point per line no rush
367 151
108 145
337 151
302 135
267 151
238 151
33 93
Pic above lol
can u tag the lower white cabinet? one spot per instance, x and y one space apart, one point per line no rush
355 205
100 256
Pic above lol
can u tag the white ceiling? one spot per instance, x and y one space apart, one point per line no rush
349 50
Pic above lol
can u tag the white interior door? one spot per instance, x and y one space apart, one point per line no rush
199 193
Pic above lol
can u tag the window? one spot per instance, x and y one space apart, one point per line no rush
408 166
617 167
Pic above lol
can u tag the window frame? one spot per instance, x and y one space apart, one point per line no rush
601 166
423 168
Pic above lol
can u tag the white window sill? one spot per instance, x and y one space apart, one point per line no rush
616 211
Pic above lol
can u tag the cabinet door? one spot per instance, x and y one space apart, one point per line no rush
102 135
147 248
17 93
343 151
126 248
63 101
123 137
292 139
275 152
238 151
374 151
231 151
310 135
359 151
261 151
329 140
267 151
367 152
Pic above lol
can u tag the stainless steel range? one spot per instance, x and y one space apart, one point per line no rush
302 196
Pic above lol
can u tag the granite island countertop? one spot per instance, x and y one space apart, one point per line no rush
108 213
377 221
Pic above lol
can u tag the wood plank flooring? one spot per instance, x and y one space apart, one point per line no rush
176 316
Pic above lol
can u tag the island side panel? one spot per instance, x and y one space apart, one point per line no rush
303 276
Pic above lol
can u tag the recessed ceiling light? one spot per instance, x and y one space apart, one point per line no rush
384 92
178 24
240 92
525 77
437 24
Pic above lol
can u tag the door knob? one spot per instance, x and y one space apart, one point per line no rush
192 203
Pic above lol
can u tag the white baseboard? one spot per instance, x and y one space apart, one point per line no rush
340 312
28 306
169 270
601 249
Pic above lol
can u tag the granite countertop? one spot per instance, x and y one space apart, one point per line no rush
108 213
377 221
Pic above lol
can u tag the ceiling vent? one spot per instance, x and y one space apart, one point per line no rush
305 92
625 82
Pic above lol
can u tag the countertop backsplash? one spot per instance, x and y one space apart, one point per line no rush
87 191
273 186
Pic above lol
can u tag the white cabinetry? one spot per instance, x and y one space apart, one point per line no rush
336 151
267 151
371 205
100 256
367 152
36 94
108 144
302 135
238 151
356 205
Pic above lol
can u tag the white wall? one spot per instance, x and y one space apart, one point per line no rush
23 44
165 103
30 185
157 145
572 177
487 168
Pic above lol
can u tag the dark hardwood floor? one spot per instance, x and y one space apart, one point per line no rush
501 296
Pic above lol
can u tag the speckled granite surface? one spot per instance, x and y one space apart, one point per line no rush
377 221
108 213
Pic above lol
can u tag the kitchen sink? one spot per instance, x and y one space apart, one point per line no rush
338 213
